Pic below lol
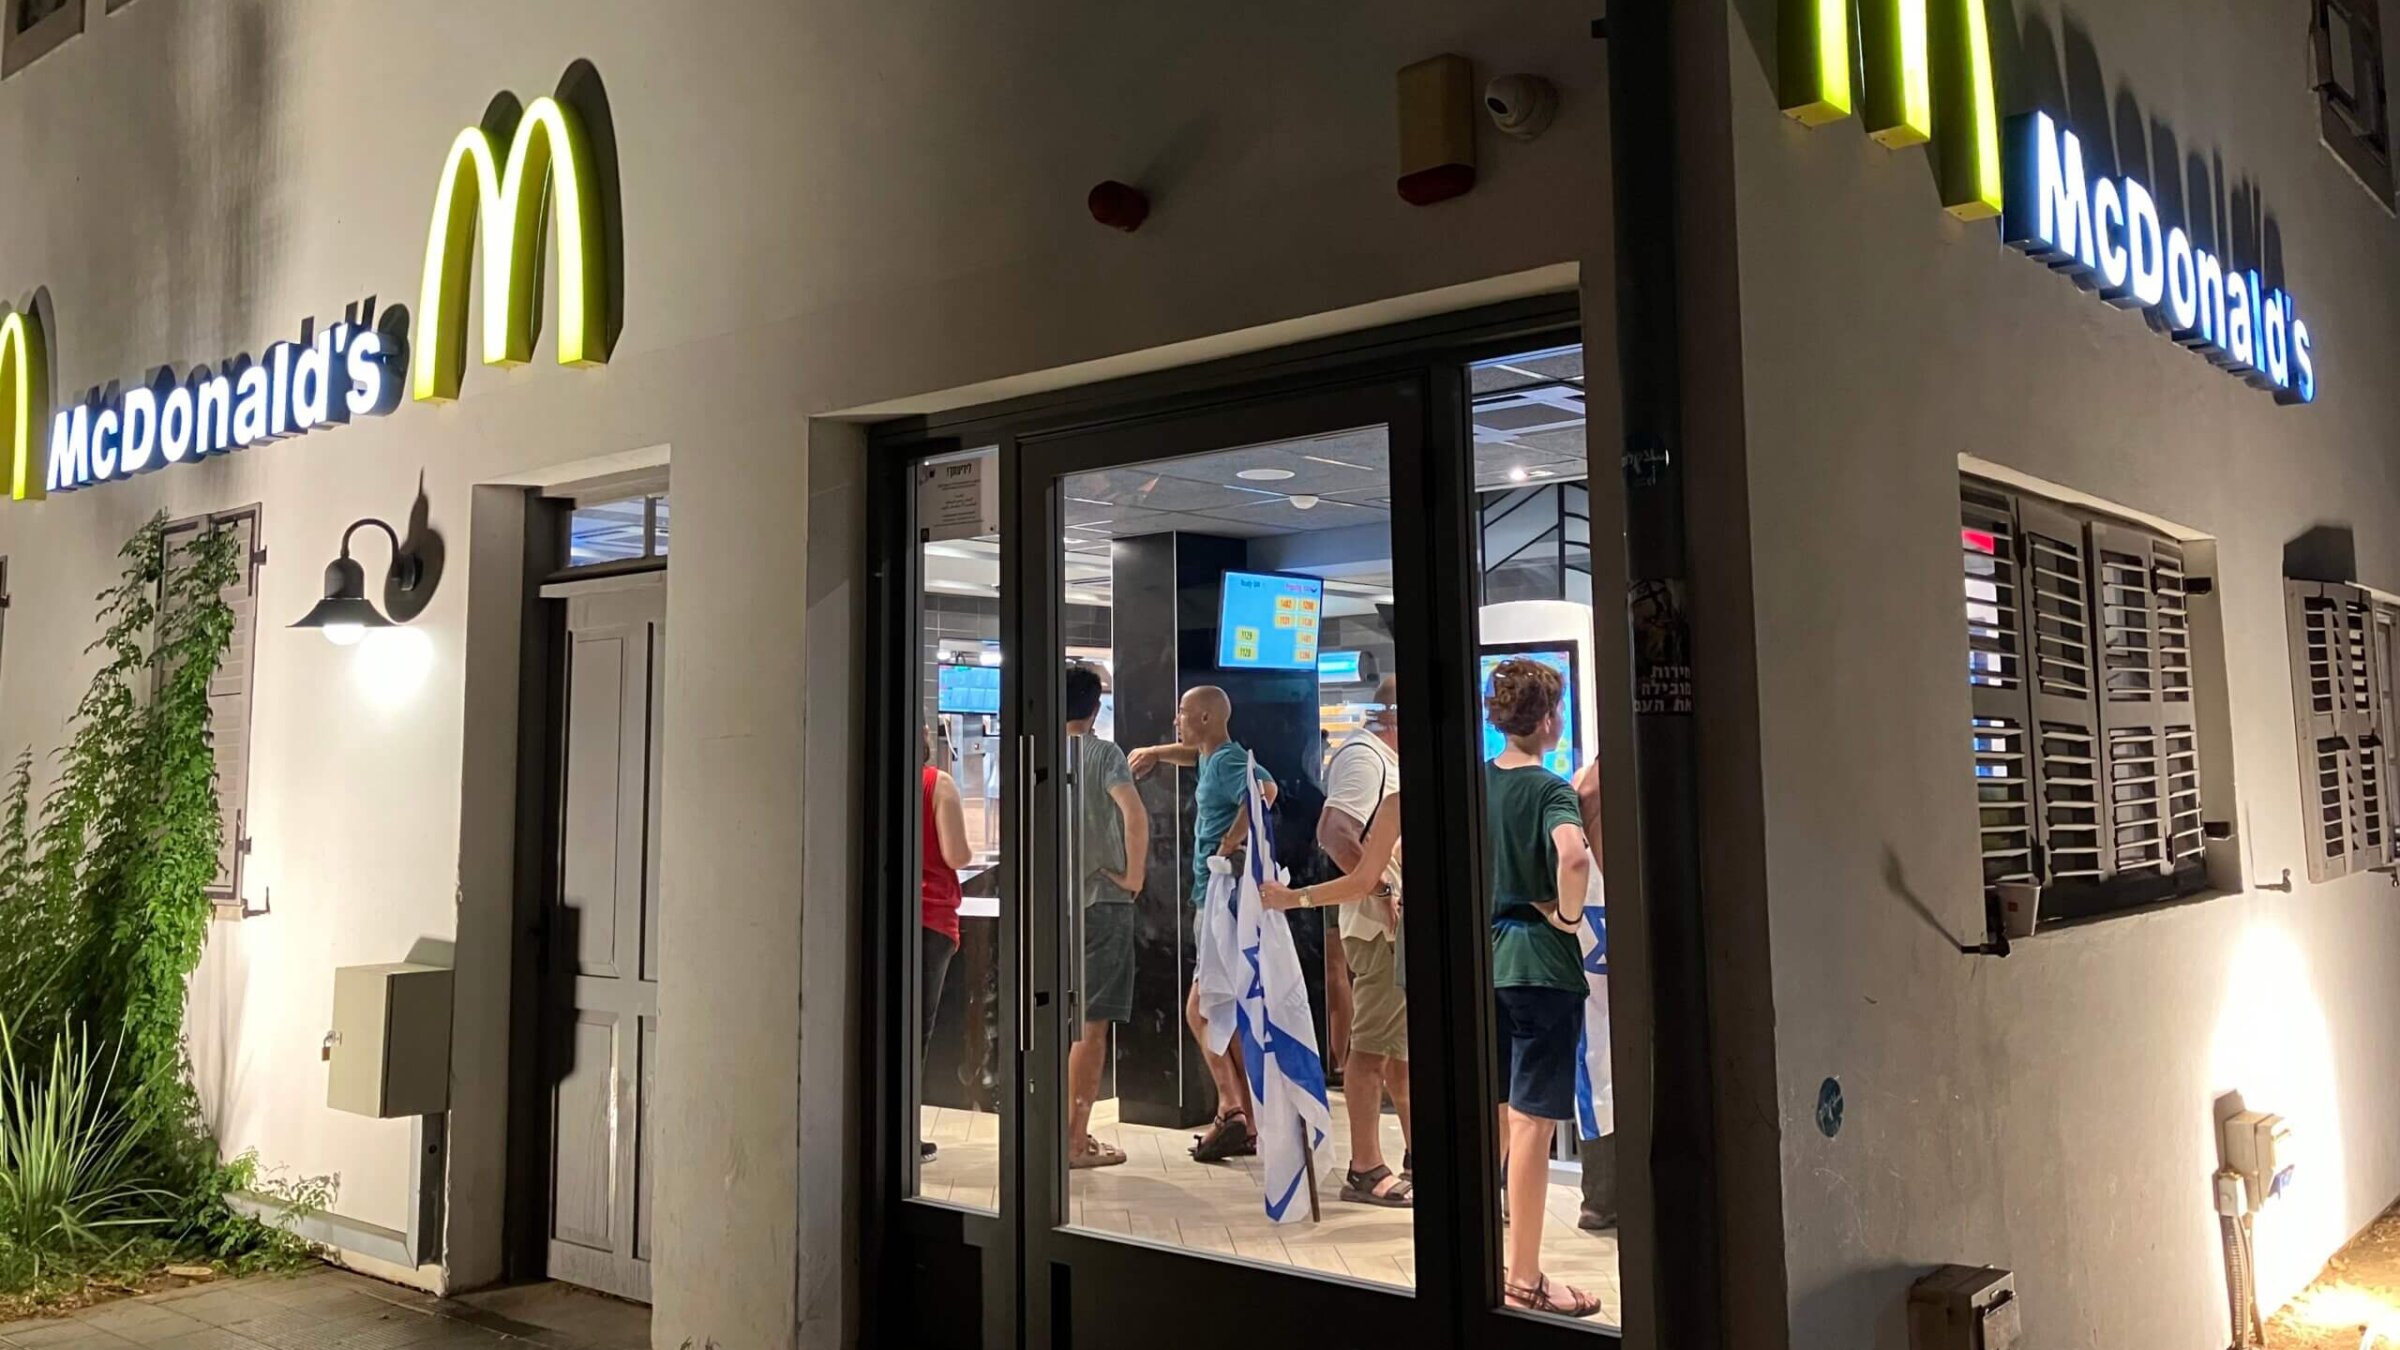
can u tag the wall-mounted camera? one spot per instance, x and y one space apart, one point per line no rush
1521 105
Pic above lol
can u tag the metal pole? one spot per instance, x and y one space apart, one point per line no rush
1683 1151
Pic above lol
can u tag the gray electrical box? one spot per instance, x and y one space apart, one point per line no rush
389 1051
1963 1308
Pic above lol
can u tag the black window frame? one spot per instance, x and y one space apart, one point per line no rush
2353 106
2086 713
22 44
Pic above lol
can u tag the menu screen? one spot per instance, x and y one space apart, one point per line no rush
1564 758
1269 622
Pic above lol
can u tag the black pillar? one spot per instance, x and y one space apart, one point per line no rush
1164 590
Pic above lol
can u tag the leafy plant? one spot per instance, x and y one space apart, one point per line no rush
106 1163
71 1166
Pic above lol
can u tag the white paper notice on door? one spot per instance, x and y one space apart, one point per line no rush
957 499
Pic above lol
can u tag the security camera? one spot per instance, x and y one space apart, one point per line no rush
1521 105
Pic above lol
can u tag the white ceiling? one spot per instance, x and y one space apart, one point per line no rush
1528 418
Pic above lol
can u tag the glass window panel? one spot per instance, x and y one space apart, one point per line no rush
1219 610
606 532
1539 689
954 947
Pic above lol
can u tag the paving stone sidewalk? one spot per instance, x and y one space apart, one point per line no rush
329 1309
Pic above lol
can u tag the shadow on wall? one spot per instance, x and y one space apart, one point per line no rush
1885 1289
419 537
2062 73
217 179
2322 553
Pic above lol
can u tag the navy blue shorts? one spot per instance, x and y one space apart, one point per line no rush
1539 1031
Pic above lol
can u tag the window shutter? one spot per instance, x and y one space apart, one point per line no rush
229 708
2384 629
2001 713
2059 634
229 692
2341 756
2149 746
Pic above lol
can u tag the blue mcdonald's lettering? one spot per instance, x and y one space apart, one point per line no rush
2107 233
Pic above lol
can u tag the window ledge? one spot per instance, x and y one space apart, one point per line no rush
2067 928
22 47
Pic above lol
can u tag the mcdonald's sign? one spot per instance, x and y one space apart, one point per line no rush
355 367
24 391
1918 71
1927 75
549 161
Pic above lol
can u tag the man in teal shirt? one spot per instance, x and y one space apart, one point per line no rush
1204 741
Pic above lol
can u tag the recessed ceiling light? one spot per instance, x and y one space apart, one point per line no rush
1264 475
1541 473
1518 474
1304 502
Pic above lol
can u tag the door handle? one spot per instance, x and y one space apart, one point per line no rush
1023 872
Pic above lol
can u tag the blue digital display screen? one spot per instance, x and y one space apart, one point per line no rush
1567 756
1269 622
1338 667
969 689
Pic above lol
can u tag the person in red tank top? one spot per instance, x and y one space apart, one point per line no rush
944 829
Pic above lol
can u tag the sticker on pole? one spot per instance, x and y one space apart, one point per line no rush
1662 650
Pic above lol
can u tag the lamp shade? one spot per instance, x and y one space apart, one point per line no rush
345 611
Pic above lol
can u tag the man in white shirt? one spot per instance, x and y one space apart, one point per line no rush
1364 771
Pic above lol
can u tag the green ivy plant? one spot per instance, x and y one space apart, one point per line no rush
104 904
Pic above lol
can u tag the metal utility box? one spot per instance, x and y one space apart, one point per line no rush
1963 1308
389 1050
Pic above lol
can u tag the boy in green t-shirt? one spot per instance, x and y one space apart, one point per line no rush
1540 866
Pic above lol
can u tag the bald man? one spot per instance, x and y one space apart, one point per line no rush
1204 741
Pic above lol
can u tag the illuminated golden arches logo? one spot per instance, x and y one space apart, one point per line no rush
549 161
24 399
1927 76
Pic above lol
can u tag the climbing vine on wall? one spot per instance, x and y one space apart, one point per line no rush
104 902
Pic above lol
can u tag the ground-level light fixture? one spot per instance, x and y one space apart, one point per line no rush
345 614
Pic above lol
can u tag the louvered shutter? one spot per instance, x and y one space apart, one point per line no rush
229 692
2001 710
2384 630
2342 770
2063 679
2149 746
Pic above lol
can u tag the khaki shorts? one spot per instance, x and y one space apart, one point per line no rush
1378 1006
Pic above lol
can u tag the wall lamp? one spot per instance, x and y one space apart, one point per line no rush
345 614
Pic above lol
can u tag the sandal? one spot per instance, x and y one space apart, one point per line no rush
1408 1164
1095 1153
1229 1137
1369 1188
1544 1297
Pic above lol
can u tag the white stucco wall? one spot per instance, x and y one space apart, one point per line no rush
825 206
2051 1113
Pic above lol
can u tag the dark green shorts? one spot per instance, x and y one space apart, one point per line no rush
1108 933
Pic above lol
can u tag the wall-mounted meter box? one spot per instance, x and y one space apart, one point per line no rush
1963 1308
2258 1144
389 1051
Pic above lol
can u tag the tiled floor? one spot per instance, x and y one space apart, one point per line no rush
1160 1195
328 1309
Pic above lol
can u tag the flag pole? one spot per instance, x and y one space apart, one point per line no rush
1311 1155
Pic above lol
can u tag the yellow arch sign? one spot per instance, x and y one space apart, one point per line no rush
1928 77
24 399
549 161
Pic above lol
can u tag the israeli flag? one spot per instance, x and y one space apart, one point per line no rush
1252 990
1595 1083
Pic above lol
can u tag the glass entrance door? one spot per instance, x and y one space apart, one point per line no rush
1207 696
1219 1107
